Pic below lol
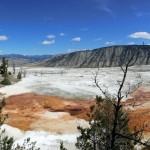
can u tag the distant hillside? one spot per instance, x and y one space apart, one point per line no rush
102 57
21 60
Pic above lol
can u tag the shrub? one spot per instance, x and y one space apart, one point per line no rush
5 81
9 73
19 76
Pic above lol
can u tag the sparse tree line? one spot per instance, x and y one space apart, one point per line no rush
7 75
108 124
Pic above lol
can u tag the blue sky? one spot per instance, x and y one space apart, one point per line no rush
62 26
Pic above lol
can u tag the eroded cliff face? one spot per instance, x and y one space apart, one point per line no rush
102 57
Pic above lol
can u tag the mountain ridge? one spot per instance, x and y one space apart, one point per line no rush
21 60
101 57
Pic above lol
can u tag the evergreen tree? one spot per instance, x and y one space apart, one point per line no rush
5 74
4 65
19 76
98 135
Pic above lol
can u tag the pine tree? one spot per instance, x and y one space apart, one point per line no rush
98 135
4 65
5 74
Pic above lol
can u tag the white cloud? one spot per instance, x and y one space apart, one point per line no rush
104 5
110 43
70 50
109 11
62 34
131 43
3 38
48 42
142 35
77 39
141 14
51 36
97 39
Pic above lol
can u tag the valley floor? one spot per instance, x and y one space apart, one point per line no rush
49 103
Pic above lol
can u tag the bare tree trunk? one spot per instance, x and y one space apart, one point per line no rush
14 67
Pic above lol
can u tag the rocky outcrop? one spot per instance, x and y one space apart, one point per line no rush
102 57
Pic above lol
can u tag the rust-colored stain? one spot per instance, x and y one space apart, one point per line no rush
24 111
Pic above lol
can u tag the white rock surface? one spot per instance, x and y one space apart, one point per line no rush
76 83
68 83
